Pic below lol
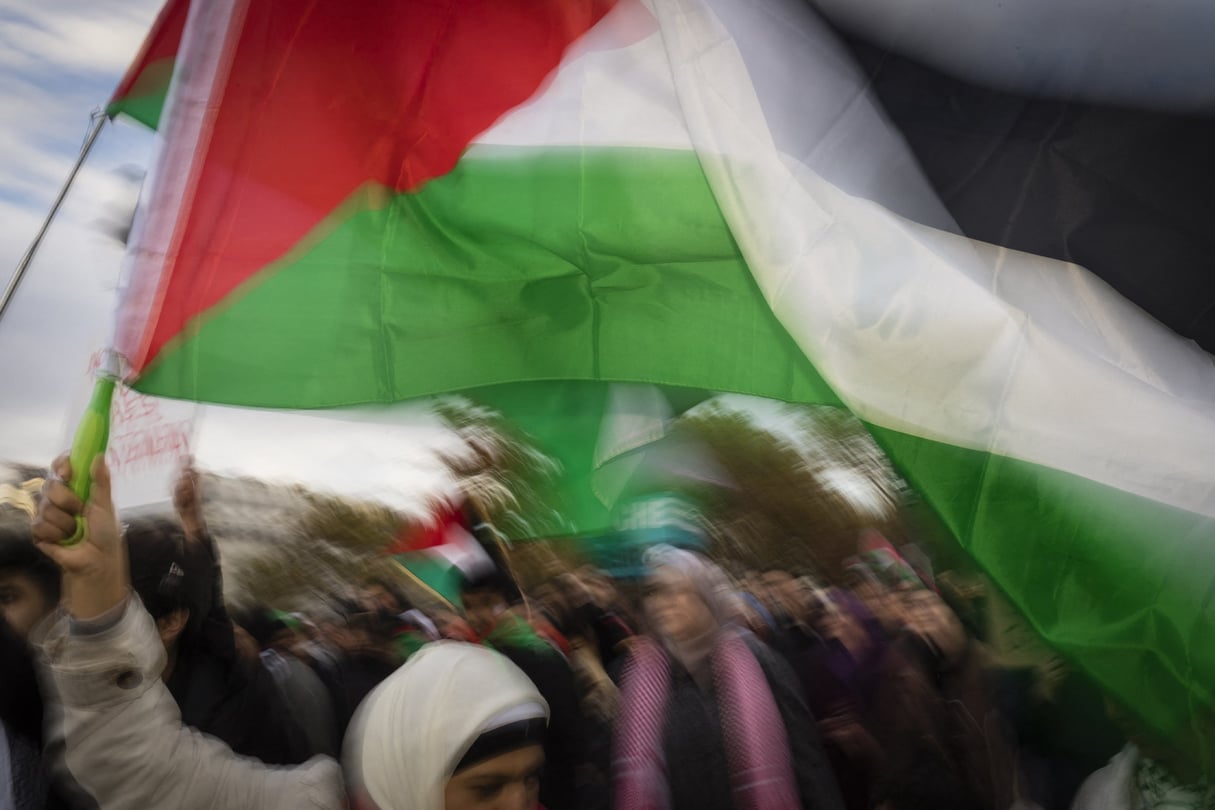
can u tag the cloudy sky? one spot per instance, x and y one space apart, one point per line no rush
59 61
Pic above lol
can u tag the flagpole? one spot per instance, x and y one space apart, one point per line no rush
503 551
99 119
418 581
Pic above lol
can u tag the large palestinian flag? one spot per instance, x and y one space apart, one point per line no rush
362 202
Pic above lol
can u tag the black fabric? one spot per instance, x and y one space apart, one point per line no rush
1061 739
215 629
698 774
19 555
791 640
502 740
565 750
21 721
20 694
815 780
928 701
609 630
27 779
216 691
1128 194
239 703
350 680
928 782
22 716
308 700
161 569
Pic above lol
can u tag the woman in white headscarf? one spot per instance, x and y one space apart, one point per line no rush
458 727
710 718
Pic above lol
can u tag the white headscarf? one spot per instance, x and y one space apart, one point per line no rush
712 587
710 583
410 732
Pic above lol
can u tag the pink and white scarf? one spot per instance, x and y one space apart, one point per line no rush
757 748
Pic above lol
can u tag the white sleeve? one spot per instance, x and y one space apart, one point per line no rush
123 738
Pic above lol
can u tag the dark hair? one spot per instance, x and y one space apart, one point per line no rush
380 627
163 572
926 781
18 553
491 580
504 739
21 704
259 622
394 590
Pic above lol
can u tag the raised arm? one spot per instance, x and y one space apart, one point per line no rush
123 738
187 502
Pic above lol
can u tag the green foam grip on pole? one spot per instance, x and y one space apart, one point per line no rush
92 437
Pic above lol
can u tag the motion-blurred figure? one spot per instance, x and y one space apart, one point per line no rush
710 717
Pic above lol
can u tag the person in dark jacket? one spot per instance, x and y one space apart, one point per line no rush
217 691
29 590
367 657
305 694
175 570
936 694
840 678
486 605
600 625
710 717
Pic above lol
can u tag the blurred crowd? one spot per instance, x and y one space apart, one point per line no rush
128 683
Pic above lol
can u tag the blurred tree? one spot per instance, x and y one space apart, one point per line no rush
507 478
335 544
800 494
361 527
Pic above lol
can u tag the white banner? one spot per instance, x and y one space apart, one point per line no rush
150 439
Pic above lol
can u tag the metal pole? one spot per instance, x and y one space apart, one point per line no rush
503 550
28 258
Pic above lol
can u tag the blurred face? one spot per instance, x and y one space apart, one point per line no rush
805 600
334 633
550 599
779 588
928 615
509 781
482 608
284 640
601 590
841 625
576 590
21 602
246 646
377 597
883 605
453 626
674 607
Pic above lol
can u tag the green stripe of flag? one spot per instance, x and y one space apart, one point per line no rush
1069 553
558 264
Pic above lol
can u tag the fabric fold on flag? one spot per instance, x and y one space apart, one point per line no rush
1082 471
